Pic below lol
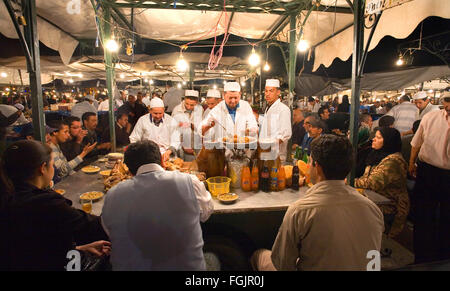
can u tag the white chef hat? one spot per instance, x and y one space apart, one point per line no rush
420 95
191 93
89 97
232 86
213 93
273 83
156 103
19 106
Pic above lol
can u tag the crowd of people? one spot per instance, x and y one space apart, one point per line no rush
404 155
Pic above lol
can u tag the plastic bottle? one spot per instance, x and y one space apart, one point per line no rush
255 177
305 156
245 179
295 176
265 179
274 178
281 179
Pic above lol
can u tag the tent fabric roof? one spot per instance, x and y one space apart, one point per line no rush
61 30
311 85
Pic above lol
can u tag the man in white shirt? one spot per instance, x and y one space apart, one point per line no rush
404 114
172 97
276 122
230 117
122 98
423 103
213 97
104 105
153 219
188 115
84 106
146 100
158 127
332 227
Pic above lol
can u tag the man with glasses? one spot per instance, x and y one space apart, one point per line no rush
431 196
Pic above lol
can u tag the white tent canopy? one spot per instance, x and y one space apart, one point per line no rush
59 28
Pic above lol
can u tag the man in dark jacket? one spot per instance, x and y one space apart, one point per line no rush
123 129
298 131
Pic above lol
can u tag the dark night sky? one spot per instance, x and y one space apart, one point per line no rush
382 58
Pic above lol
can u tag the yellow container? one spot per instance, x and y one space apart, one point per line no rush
218 185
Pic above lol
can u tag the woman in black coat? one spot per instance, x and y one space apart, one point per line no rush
38 226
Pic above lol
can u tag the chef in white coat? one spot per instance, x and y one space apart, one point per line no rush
188 115
276 122
213 97
230 117
158 127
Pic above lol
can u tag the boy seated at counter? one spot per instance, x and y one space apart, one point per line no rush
332 227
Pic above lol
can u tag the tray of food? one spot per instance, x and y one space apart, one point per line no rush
60 191
119 173
90 169
240 142
93 195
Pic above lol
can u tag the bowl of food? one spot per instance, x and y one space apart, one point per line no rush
114 156
90 169
105 173
60 191
240 142
93 195
228 198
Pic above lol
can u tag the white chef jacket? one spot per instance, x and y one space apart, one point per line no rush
276 125
165 135
429 108
244 119
146 100
180 115
206 112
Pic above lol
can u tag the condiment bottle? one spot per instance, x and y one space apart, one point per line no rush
295 176
274 178
246 179
265 178
281 179
255 177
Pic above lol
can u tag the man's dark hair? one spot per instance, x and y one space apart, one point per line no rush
142 153
364 118
388 106
311 99
322 109
191 98
315 122
72 119
121 114
334 154
86 116
406 98
169 83
57 124
416 125
386 121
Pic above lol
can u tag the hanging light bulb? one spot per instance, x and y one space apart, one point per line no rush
151 82
224 82
184 82
182 65
4 75
129 48
122 76
266 67
179 86
112 45
400 61
215 87
254 58
303 45
243 83
71 81
146 80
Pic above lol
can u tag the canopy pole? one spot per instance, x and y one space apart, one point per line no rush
292 56
109 75
358 43
34 68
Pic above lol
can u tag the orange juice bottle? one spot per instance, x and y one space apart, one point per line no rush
255 177
281 179
246 179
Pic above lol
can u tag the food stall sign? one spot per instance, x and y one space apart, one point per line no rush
376 6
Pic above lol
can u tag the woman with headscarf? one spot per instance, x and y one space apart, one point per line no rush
385 174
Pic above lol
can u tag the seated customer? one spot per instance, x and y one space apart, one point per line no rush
386 174
38 226
154 218
332 227
314 128
298 130
73 147
57 137
123 130
90 121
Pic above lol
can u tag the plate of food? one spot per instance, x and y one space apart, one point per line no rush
103 160
228 198
90 169
115 156
60 191
105 173
93 195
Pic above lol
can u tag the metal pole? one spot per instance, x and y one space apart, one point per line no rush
191 75
109 75
358 42
34 69
292 57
